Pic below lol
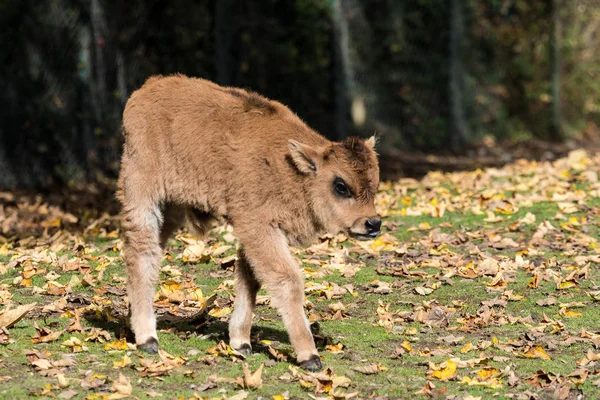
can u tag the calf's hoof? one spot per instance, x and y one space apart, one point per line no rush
150 346
313 364
245 350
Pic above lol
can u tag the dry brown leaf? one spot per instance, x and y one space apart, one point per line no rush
9 316
45 335
251 380
67 394
122 388
370 369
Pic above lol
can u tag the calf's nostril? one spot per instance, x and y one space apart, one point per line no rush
373 225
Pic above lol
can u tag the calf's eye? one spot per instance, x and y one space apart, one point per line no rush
341 189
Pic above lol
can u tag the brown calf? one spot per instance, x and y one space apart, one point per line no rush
200 151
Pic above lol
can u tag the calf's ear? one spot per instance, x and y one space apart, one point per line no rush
372 141
305 158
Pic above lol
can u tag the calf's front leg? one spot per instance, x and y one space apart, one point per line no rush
142 257
274 267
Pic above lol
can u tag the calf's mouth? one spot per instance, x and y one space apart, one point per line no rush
364 236
366 228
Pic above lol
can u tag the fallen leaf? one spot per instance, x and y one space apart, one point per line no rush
124 362
445 372
369 369
536 352
122 387
251 380
120 344
44 335
423 291
67 394
9 316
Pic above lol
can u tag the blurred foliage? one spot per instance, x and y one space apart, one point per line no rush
511 67
68 66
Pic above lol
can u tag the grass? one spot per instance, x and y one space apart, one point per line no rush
458 269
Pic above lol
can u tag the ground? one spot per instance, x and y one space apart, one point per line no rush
482 285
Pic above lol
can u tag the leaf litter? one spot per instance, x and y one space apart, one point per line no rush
482 279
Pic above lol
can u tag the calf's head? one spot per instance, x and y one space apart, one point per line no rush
342 180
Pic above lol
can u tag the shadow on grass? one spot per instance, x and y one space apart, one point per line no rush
209 329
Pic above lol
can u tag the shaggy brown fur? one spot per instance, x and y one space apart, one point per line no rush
196 150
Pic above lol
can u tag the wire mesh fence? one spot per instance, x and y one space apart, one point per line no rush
426 75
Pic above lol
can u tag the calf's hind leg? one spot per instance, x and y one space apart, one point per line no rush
240 323
141 226
173 218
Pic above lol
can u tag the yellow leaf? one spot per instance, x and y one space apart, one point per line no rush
567 284
423 226
493 383
487 373
54 223
102 265
571 313
406 346
75 344
384 243
449 371
377 243
224 350
467 348
116 345
497 283
123 363
218 312
536 352
304 384
506 208
195 295
27 282
171 286
335 349
533 282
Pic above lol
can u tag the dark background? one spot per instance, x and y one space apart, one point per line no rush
429 76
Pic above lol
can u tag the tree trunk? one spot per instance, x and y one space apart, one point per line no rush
556 133
341 77
460 131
